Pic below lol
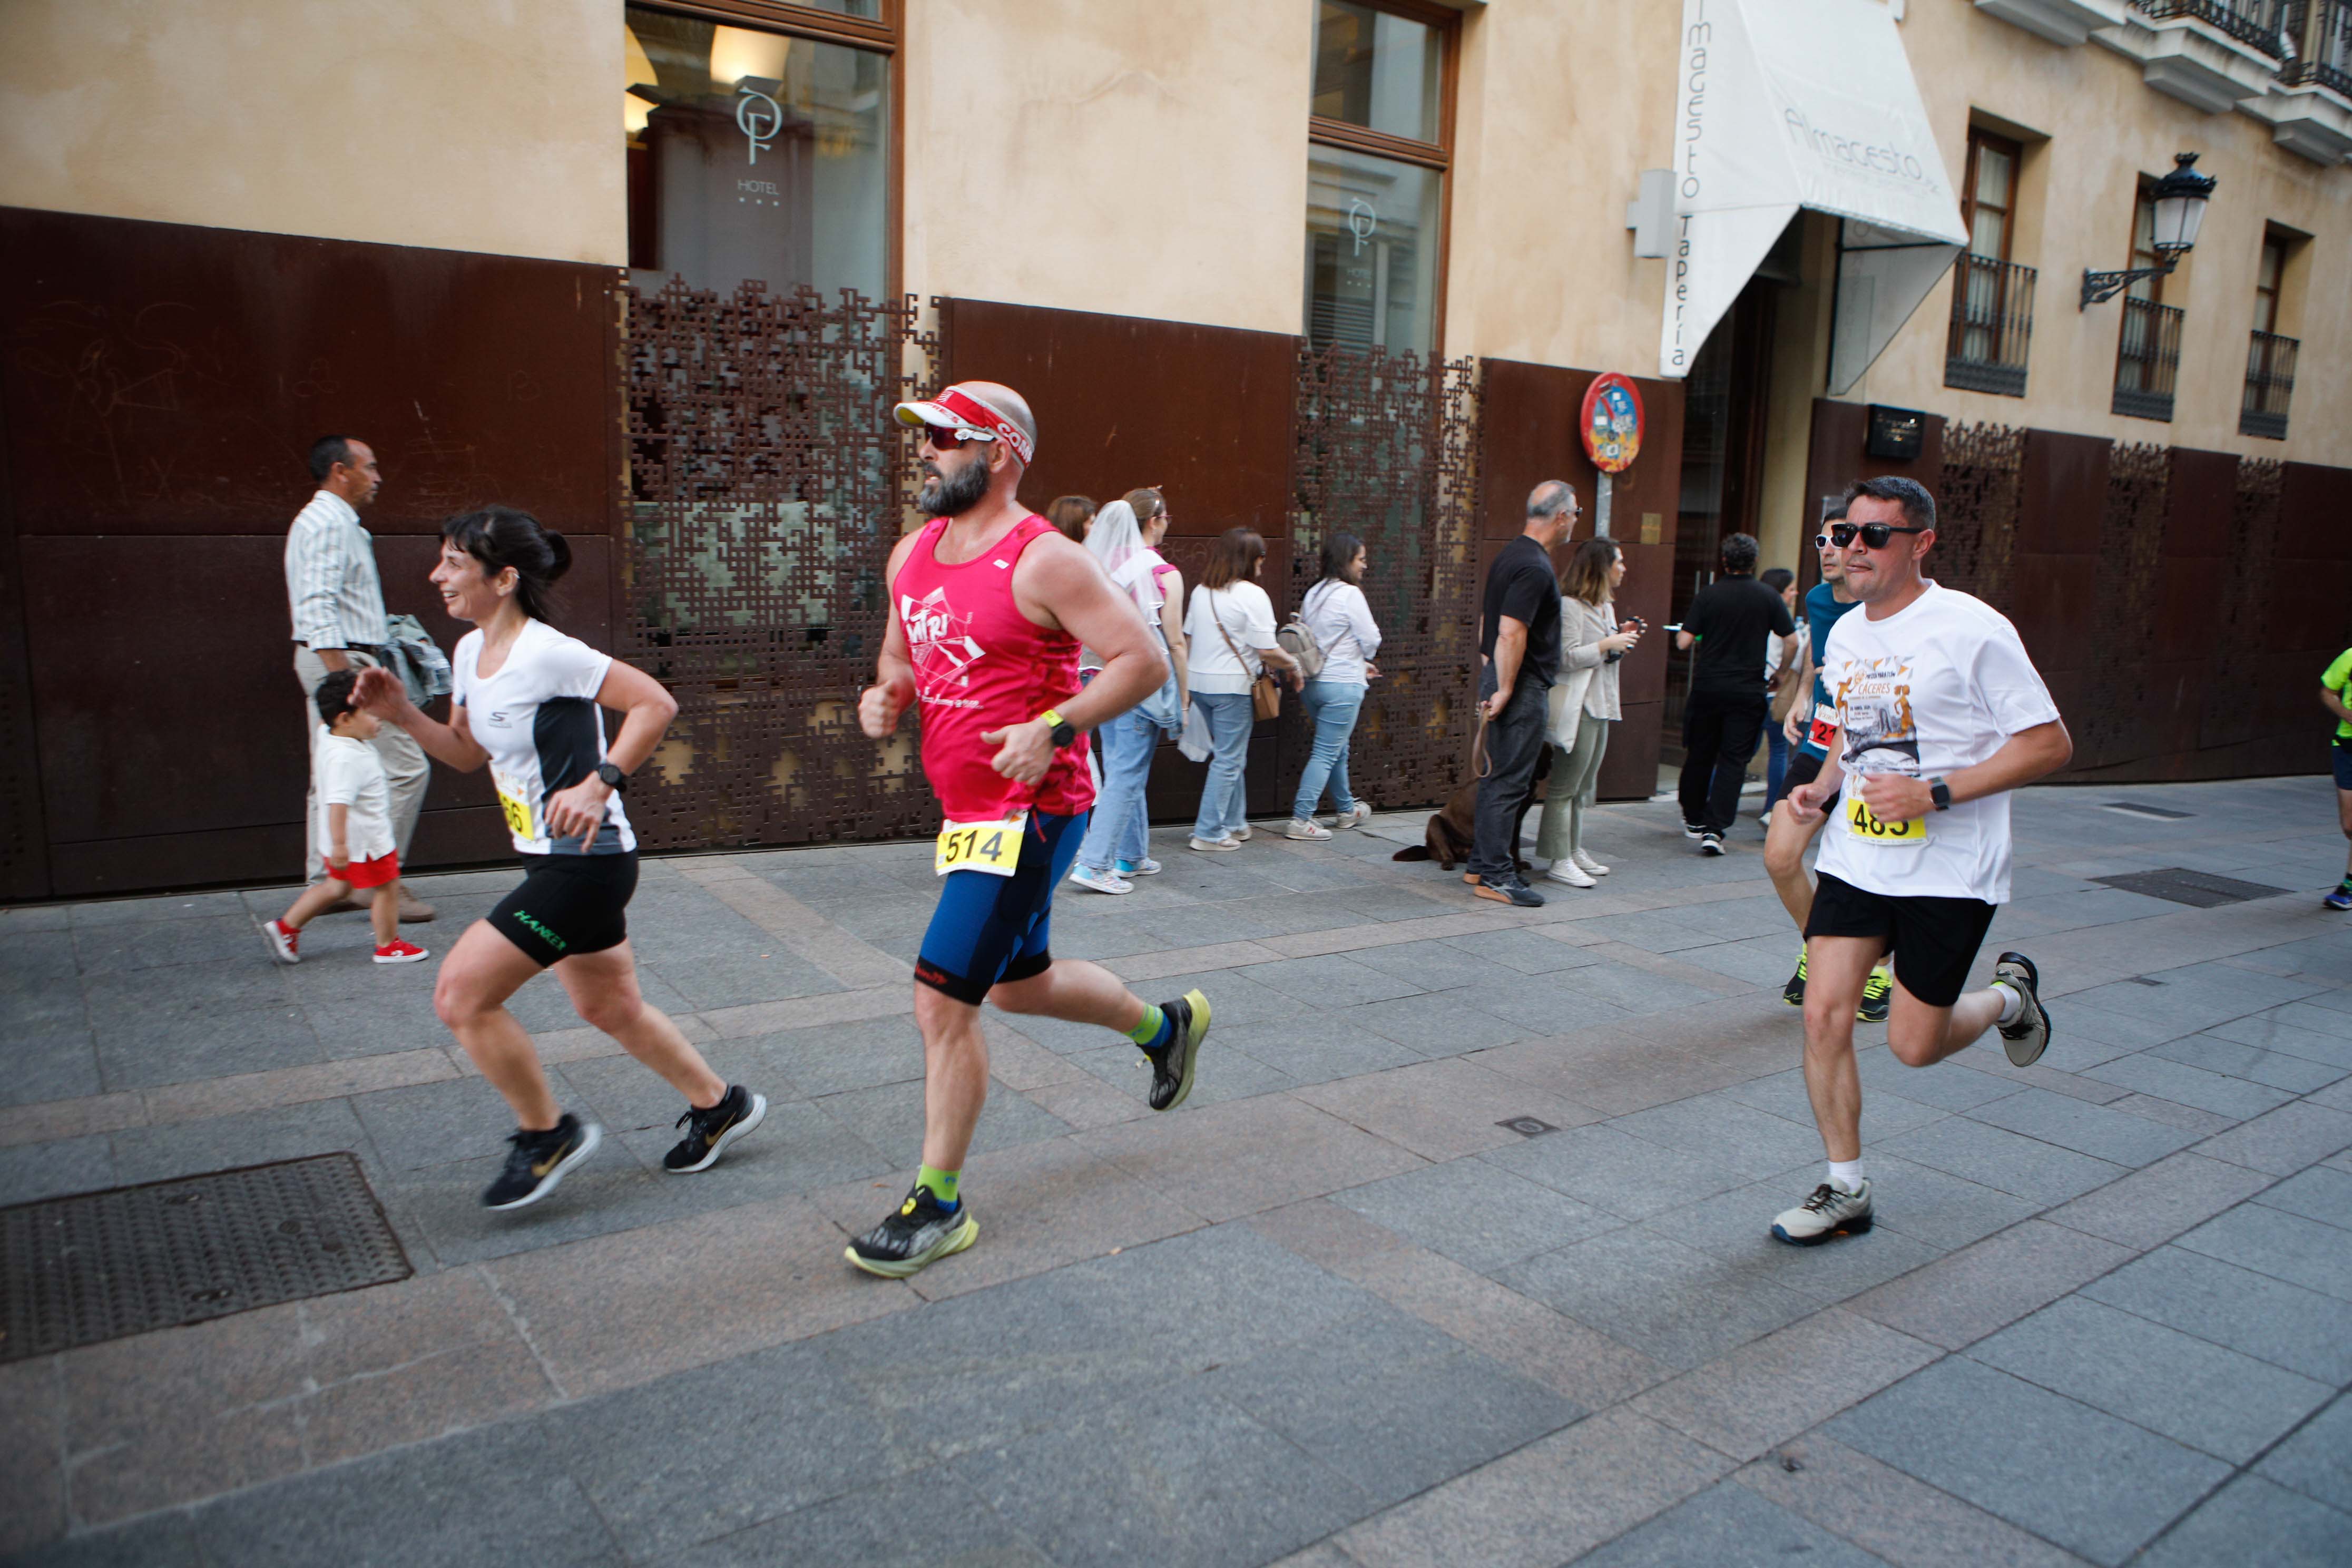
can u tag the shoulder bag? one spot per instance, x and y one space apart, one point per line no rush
1265 695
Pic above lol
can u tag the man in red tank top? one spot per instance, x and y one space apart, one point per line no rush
988 606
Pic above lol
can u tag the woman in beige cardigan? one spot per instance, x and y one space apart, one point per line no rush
1583 705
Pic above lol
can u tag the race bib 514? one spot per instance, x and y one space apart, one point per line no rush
992 847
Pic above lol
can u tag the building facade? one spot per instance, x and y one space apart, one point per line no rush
655 271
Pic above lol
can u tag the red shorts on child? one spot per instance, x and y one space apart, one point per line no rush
364 874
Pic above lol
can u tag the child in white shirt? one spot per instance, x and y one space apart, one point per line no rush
356 824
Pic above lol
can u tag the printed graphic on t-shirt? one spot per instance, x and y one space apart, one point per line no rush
1874 702
941 647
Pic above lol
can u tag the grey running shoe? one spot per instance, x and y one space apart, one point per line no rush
536 1162
1173 1065
2029 1036
1510 889
916 1234
708 1132
1831 1211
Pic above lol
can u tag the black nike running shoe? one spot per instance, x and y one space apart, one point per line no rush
919 1233
538 1160
708 1132
1173 1065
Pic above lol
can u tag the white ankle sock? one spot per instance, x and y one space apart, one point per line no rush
1846 1175
2011 1004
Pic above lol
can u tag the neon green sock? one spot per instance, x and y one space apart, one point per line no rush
1145 1032
942 1184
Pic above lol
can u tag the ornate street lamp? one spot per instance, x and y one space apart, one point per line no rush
2180 198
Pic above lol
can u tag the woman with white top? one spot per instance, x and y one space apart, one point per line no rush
528 701
1336 612
1117 844
1583 705
1230 629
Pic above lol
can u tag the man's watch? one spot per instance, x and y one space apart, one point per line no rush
1062 732
615 779
1940 793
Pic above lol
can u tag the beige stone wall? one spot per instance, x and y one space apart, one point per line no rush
483 125
1134 159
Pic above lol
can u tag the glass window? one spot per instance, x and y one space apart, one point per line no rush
1371 251
1377 70
1989 202
2143 249
2266 286
866 10
755 155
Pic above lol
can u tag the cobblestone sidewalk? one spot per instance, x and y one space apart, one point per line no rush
1349 1306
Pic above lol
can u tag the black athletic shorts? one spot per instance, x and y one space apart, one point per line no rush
1935 941
2343 755
1803 769
568 905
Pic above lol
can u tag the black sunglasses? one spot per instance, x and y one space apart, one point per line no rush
1875 535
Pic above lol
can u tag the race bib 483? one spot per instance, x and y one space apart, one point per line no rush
1863 827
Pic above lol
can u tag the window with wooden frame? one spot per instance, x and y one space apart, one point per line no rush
1992 296
762 144
2270 353
1380 134
2148 343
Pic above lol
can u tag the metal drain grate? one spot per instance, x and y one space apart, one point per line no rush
100 1266
1527 1126
2199 889
2160 813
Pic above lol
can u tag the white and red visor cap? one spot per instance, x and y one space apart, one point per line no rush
958 410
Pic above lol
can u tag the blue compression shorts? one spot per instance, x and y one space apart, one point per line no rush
988 929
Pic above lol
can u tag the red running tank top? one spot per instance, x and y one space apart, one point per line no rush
982 665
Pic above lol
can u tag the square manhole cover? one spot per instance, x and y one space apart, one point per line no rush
2199 889
1527 1126
102 1266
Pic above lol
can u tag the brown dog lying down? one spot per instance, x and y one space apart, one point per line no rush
1453 831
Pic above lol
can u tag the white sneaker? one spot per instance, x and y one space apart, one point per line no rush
1218 845
1588 864
1242 834
1301 827
1100 881
1355 816
1831 1211
1567 871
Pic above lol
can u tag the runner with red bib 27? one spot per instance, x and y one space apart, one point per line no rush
989 603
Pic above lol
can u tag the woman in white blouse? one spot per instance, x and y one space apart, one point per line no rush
1230 630
1583 705
1336 611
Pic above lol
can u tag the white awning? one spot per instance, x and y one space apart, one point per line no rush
1786 104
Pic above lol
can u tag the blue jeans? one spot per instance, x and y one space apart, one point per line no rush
1128 744
1333 707
1231 716
1776 763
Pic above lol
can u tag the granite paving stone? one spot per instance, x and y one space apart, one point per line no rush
1475 1213
1736 1227
2197 1394
2321 1192
1615 1172
2306 1252
2082 1479
2150 1073
2285 1140
2278 1322
1679 1305
1786 1383
1902 1520
1959 1299
1728 1526
1995 1157
916 1520
2316 1459
2158 1202
2294 1530
2092 1130
31 1172
2276 1069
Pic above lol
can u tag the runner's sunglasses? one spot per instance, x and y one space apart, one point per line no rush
947 438
1875 535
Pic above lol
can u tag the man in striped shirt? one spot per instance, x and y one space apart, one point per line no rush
337 603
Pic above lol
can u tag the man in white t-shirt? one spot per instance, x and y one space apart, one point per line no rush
1939 715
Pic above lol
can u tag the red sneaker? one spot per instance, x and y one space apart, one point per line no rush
399 952
282 942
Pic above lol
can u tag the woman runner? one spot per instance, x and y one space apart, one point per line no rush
526 701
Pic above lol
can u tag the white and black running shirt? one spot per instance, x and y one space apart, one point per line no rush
538 719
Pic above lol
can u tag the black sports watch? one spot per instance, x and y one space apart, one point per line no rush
615 779
1062 732
1940 793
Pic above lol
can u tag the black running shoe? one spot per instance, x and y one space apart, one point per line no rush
1793 992
540 1160
708 1132
1710 843
2029 1036
918 1234
1174 1064
1877 997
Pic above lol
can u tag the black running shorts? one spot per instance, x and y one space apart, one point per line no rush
1803 769
1935 941
568 905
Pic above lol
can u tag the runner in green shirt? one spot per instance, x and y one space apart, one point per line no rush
2331 697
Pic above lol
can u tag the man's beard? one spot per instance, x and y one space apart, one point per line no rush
952 495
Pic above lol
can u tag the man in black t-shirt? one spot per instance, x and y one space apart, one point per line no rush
1518 655
1730 622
